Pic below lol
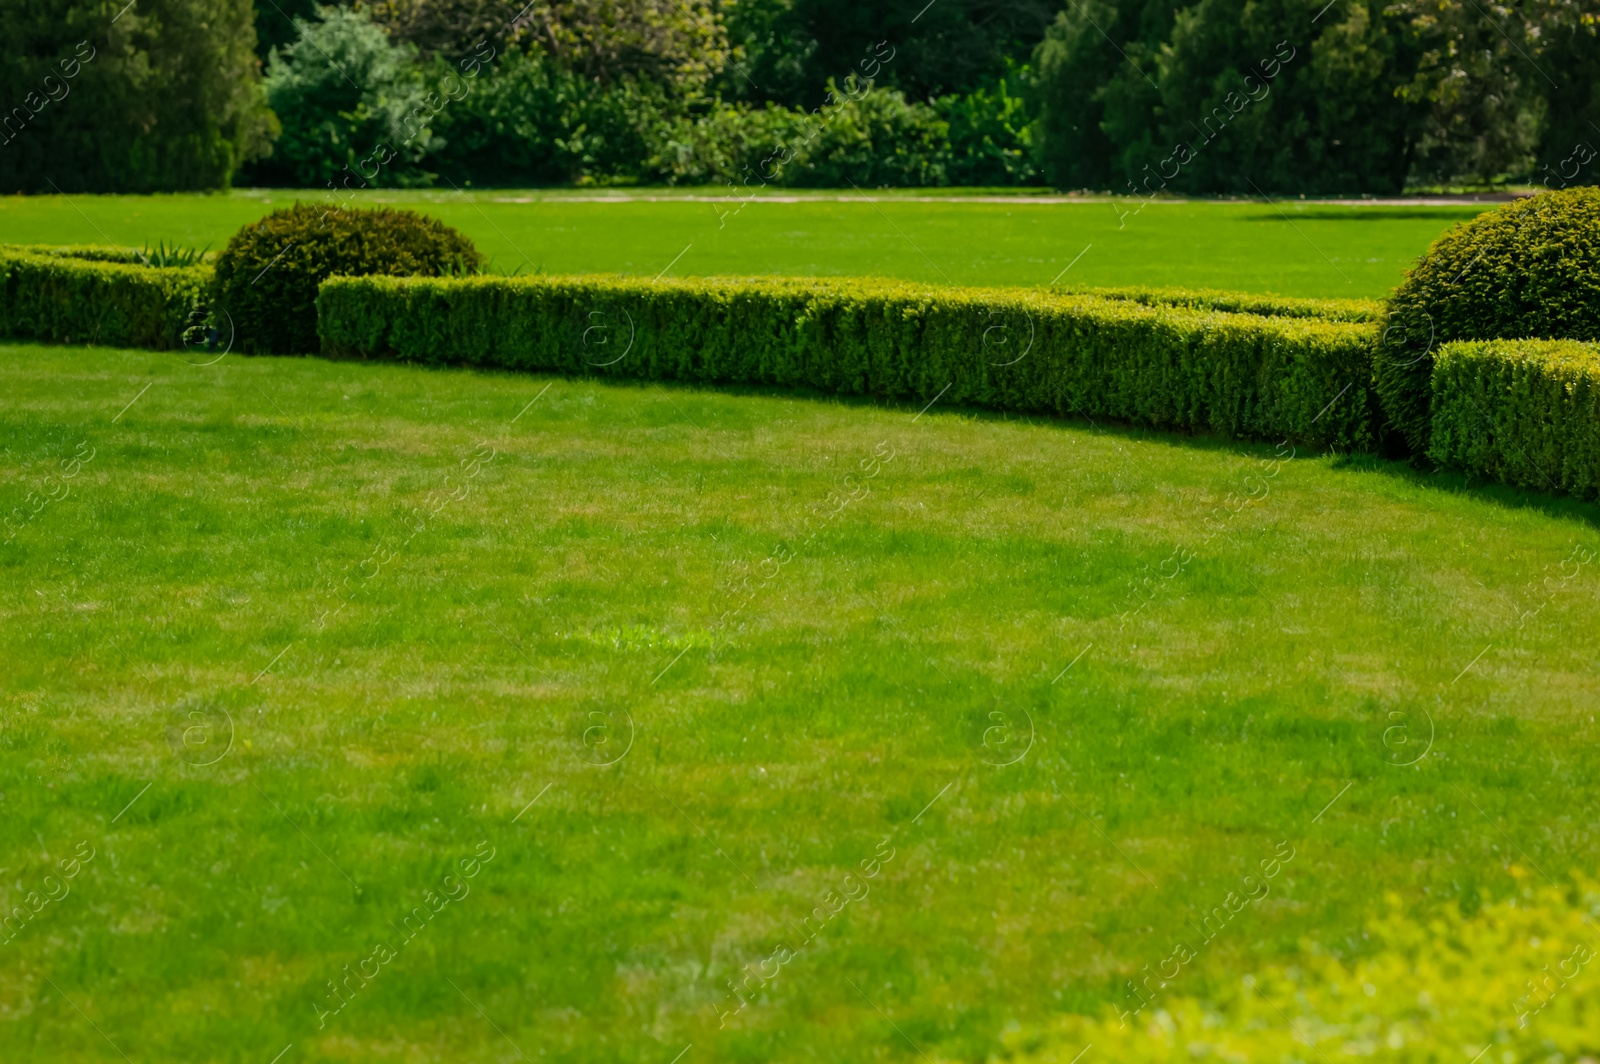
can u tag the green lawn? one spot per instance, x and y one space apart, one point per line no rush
1290 248
288 641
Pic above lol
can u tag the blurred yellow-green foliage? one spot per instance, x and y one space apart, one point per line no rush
1513 983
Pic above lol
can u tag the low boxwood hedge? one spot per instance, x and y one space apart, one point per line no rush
1525 412
65 296
1012 349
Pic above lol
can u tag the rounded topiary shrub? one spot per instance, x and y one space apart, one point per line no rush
1529 270
267 277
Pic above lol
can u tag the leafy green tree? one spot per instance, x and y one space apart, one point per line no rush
1511 89
353 106
681 44
155 96
1234 96
1481 87
1095 80
1570 53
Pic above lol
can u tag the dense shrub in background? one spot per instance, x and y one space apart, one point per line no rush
1012 349
1529 270
1136 96
342 91
871 137
790 49
1083 92
991 133
100 96
525 120
267 276
862 135
1523 412
1228 96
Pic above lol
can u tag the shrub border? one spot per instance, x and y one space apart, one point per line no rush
1524 412
66 296
1195 370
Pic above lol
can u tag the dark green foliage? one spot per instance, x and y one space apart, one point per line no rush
1010 349
862 135
100 96
678 44
267 276
866 137
73 298
1525 412
792 48
1572 121
1225 96
1096 70
523 120
275 22
1529 270
1488 76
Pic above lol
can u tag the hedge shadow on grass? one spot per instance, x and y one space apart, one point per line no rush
1455 482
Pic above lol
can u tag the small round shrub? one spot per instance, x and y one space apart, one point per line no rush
1527 271
267 276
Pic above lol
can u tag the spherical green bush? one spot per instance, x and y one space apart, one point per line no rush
1529 270
267 276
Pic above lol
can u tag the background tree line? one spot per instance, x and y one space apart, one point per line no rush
1130 95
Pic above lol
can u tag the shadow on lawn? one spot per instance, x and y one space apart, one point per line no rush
1562 507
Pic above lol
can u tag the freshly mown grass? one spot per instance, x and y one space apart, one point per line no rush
1296 249
952 669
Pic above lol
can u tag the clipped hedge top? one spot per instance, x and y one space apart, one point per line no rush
1560 356
1528 269
1186 303
112 261
1190 308
91 253
1351 310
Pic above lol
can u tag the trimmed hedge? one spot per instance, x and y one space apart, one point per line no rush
67 298
1526 412
1012 349
1529 269
267 276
